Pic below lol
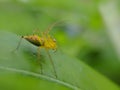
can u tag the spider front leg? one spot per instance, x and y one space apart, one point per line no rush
38 55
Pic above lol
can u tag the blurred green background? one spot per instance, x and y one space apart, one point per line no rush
90 29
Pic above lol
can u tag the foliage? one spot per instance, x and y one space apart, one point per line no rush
82 35
21 70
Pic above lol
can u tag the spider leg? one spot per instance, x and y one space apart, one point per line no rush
18 44
52 63
36 31
52 25
38 55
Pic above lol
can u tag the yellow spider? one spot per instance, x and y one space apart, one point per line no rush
43 41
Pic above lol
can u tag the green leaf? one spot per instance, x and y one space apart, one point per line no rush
20 70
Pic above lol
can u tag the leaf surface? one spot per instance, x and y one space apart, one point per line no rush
20 70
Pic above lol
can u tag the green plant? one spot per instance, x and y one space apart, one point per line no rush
21 71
